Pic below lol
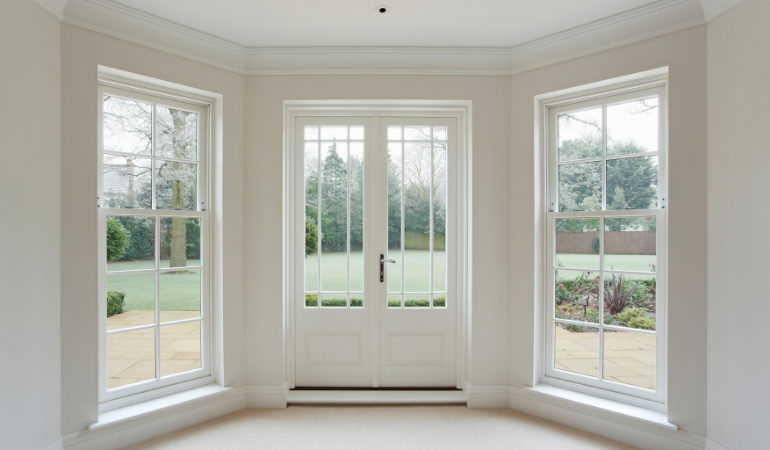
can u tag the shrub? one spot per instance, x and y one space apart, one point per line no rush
116 301
118 239
596 244
616 295
643 323
636 318
311 237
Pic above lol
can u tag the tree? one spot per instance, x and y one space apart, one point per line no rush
334 188
118 239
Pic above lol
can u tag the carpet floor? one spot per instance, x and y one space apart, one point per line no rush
380 427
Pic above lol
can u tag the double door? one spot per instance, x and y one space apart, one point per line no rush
374 260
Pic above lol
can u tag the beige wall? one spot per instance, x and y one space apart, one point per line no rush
30 126
82 51
685 54
491 196
738 246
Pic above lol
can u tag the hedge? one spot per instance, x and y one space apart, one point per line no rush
115 303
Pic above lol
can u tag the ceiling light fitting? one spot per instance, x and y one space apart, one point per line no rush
382 9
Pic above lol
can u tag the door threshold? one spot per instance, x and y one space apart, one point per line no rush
376 397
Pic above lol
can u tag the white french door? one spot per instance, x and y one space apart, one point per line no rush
375 241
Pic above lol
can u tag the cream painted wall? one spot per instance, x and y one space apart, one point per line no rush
685 54
82 51
30 126
491 195
738 242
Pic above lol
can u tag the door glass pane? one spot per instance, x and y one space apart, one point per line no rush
394 301
630 300
130 243
417 193
334 216
180 348
127 182
580 187
394 215
439 215
580 135
439 300
176 185
578 243
127 126
630 244
130 357
356 132
334 300
356 168
311 212
130 300
357 300
417 301
576 349
177 133
440 133
334 132
416 133
577 296
632 183
629 358
632 127
394 133
311 132
180 242
180 295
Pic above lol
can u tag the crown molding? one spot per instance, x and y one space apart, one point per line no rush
126 23
714 8
55 7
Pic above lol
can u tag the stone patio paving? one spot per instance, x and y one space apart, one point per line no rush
131 355
628 357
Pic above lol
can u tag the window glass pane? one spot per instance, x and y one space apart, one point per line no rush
130 300
180 348
630 300
632 127
334 300
578 243
439 216
356 132
580 135
356 168
632 183
180 242
177 133
394 133
580 187
577 349
334 132
130 357
417 301
417 172
311 132
311 215
416 133
177 185
180 295
440 133
127 182
130 243
334 216
127 126
630 244
394 216
629 358
577 296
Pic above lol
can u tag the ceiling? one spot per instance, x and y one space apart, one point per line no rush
453 23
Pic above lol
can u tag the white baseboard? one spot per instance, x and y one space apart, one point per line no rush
267 397
640 432
485 397
712 445
371 397
55 445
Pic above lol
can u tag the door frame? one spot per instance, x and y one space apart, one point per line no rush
461 110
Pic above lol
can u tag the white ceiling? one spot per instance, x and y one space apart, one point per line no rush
453 23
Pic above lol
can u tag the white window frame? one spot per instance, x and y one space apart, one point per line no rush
547 109
123 396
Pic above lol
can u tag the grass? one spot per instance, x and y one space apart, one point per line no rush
637 263
416 271
179 291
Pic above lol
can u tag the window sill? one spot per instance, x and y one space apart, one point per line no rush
163 406
597 407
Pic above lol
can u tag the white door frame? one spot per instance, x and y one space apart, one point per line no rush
459 109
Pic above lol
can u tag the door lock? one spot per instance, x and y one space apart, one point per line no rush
382 266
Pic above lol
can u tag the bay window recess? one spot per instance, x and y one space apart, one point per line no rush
153 240
606 221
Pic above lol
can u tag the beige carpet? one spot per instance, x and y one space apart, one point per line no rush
379 427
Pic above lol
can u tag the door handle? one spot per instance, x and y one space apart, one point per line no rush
382 266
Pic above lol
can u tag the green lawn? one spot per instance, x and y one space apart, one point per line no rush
637 263
416 273
178 291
